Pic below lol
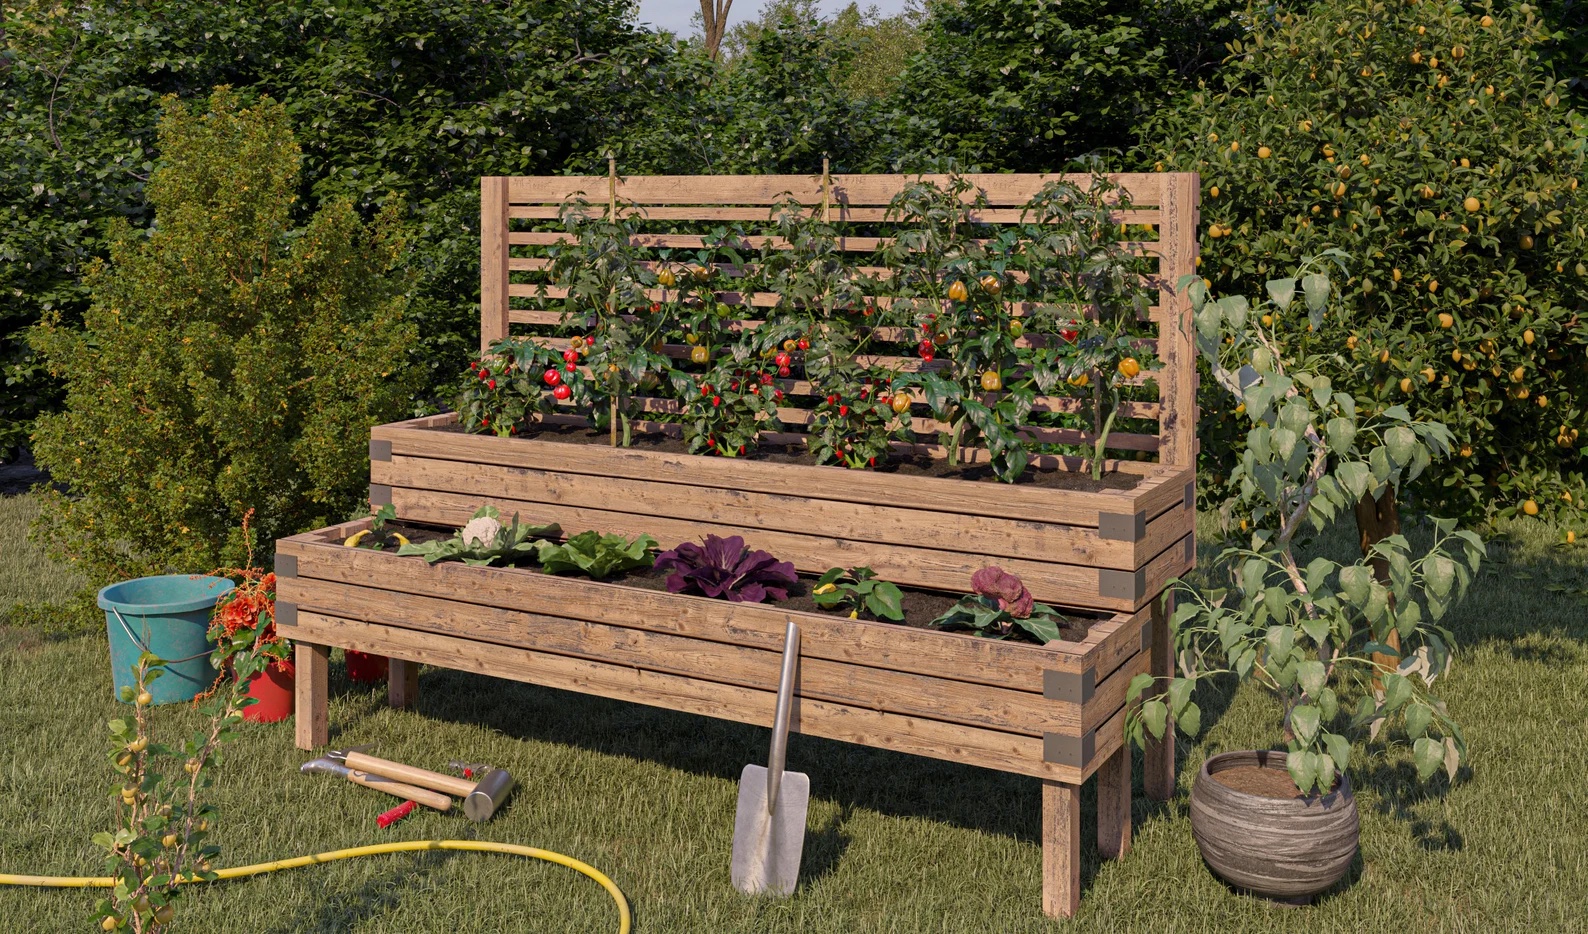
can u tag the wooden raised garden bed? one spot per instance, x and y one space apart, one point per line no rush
1054 712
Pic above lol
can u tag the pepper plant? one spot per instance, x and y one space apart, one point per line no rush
607 285
1314 635
1087 293
518 378
730 406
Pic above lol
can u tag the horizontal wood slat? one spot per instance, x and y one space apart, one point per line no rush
859 190
992 749
839 213
755 242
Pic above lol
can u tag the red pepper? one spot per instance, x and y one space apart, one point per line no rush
551 377
490 384
843 410
716 401
570 367
783 371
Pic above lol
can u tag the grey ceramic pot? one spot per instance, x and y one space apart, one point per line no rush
1284 849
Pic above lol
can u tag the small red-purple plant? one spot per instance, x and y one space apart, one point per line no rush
726 569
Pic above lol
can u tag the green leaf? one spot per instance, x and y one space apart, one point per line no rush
1397 690
1339 749
1311 675
1439 573
1154 715
1190 720
1138 684
1401 442
1328 703
1428 754
1315 288
1303 767
886 601
1342 434
1304 720
1417 719
1357 583
1316 629
1281 292
1180 693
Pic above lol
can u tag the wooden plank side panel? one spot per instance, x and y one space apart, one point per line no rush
949 655
840 213
541 629
1176 338
1000 500
881 524
1006 752
1070 584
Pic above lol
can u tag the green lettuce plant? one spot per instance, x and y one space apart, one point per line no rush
1316 635
485 540
595 555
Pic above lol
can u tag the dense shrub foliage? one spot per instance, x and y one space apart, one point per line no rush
1423 141
229 362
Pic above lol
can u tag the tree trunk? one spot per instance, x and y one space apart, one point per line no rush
714 17
1376 520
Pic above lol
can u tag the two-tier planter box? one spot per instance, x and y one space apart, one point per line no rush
1055 712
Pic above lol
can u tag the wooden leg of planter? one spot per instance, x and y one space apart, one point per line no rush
1113 805
402 683
313 665
1158 762
1061 849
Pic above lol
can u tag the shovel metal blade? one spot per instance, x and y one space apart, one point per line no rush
767 846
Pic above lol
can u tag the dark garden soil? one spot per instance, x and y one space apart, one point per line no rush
920 606
916 466
1267 783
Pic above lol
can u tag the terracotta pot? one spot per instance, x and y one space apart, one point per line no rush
272 688
362 666
1288 849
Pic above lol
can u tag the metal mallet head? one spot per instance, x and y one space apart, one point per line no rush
489 794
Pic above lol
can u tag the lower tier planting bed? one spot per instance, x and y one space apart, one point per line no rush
1054 711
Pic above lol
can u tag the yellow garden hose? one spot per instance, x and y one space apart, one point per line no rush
105 882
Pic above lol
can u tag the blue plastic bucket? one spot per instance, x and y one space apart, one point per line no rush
166 615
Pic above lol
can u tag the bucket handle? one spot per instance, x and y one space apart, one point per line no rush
140 644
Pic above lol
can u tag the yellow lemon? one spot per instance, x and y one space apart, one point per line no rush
1530 507
1471 204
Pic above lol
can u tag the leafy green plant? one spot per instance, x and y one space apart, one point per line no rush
1002 608
727 411
377 537
1311 635
516 379
607 283
1427 142
230 360
485 540
595 555
853 424
858 590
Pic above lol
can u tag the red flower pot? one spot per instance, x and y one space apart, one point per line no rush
272 689
362 666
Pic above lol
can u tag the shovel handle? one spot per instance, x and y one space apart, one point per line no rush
430 799
780 718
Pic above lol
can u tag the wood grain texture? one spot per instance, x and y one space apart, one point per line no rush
948 655
1000 190
1061 849
1176 347
311 729
402 683
572 635
494 275
1283 848
1113 805
1158 758
1000 500
882 523
879 729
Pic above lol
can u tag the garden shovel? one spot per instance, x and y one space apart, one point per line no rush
769 828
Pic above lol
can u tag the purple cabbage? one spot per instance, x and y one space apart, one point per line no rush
1012 595
724 568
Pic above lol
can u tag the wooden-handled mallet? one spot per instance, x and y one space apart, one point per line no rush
480 798
326 765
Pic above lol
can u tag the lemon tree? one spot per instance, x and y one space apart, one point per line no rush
1425 142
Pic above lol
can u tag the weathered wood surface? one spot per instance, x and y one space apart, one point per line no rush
1061 849
855 521
954 656
312 666
879 729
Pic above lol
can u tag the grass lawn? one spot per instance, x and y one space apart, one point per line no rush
895 843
